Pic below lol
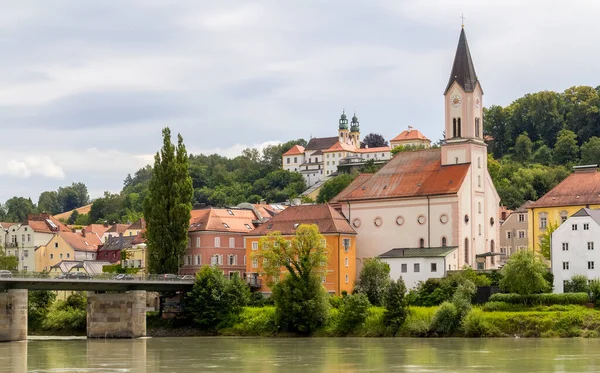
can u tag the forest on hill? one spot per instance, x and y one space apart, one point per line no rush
533 144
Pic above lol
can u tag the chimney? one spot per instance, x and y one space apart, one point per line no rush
73 230
263 202
106 224
83 232
409 128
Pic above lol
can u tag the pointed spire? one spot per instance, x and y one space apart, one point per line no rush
463 71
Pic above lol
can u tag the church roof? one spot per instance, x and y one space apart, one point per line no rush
340 146
580 188
356 183
411 174
321 143
410 134
463 71
296 149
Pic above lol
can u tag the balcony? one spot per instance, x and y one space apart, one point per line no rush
253 282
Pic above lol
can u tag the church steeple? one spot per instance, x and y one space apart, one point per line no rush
463 71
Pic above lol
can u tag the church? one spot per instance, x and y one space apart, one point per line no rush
429 211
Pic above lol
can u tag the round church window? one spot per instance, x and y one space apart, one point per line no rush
421 219
356 223
466 219
400 220
378 221
444 219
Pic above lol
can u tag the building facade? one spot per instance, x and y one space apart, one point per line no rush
575 248
419 265
66 246
514 232
410 137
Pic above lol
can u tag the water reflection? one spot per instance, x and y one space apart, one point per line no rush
262 355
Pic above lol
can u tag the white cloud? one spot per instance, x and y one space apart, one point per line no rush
234 150
29 165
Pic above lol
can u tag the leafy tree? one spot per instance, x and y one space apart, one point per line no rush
72 197
396 305
167 207
544 244
8 262
590 151
373 280
73 217
39 302
566 150
543 155
17 209
523 148
238 293
496 123
107 208
577 284
300 299
524 274
369 167
373 140
334 186
353 313
48 202
582 111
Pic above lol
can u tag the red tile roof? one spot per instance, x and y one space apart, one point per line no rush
340 146
140 237
45 223
139 224
88 243
324 216
411 174
296 149
221 220
117 228
410 134
580 188
5 225
99 229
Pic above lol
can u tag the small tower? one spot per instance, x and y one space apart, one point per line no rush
355 132
343 128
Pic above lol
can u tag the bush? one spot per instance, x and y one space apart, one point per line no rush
595 292
396 306
445 320
524 274
63 317
76 301
577 284
418 321
353 312
541 299
253 321
373 280
435 291
39 302
475 324
336 301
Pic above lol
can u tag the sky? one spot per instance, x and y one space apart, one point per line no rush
87 86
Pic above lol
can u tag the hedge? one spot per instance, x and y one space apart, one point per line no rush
542 299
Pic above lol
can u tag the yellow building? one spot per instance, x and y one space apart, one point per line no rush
340 239
135 228
136 254
67 246
580 189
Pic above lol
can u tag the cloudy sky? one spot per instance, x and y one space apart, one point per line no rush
86 86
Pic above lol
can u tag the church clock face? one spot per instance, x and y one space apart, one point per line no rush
477 102
455 100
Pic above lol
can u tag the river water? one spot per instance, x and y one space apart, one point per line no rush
259 355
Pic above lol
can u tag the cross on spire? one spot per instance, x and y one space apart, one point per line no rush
462 17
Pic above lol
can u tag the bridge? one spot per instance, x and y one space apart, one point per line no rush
115 308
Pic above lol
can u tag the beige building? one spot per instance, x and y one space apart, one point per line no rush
410 137
514 232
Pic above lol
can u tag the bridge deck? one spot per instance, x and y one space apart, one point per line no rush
94 284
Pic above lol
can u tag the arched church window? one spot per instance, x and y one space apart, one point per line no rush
454 127
466 250
492 249
479 180
459 132
476 127
478 162
444 242
479 207
422 243
456 160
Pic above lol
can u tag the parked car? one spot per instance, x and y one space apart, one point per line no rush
75 276
124 277
187 277
168 276
5 273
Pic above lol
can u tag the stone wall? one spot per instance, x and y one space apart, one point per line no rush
116 315
13 315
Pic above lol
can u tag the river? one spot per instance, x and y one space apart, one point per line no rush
257 355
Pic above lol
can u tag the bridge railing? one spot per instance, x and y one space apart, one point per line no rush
102 276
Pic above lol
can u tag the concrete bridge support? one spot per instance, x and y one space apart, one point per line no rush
13 315
116 315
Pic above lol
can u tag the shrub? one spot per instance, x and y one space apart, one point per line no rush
462 298
475 324
253 321
396 306
39 302
353 312
60 316
418 321
577 284
435 291
445 320
373 280
524 274
541 299
76 301
336 301
595 291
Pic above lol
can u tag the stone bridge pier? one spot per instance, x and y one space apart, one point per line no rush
13 315
115 315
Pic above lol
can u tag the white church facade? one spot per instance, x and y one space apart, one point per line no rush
429 211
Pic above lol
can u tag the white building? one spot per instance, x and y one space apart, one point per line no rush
415 265
575 248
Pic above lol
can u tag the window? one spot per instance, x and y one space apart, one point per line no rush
56 245
248 226
590 265
254 245
22 238
288 160
479 207
417 267
586 227
61 255
346 278
232 259
453 127
217 241
444 242
295 159
521 234
226 225
590 246
346 244
68 255
573 227
479 180
404 268
28 237
543 220
25 268
324 243
508 234
198 260
346 262
479 227
230 212
459 128
565 246
244 259
323 279
476 127
231 242
565 265
197 241
521 217
421 243
433 267
254 263
466 250
188 260
26 253
51 256
478 162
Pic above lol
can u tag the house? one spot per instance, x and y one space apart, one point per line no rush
579 190
433 198
322 155
575 248
416 265
135 256
110 251
115 230
340 239
410 137
514 232
135 228
69 246
4 236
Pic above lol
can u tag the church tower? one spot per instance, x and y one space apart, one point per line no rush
464 111
343 129
355 132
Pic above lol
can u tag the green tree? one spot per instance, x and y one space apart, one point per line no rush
300 300
566 150
590 151
523 148
373 280
48 202
370 167
577 284
107 208
353 313
373 140
524 274
238 293
496 123
582 111
73 196
396 305
73 217
543 155
167 207
8 262
39 302
17 209
334 186
544 244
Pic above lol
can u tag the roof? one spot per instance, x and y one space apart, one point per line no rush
321 143
223 220
92 267
356 183
118 243
411 174
117 228
5 225
410 134
341 146
88 243
428 252
45 223
296 149
463 71
373 150
99 229
81 210
138 225
324 216
318 152
594 214
522 208
65 265
580 188
140 238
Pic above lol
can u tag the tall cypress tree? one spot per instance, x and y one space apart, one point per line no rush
167 207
